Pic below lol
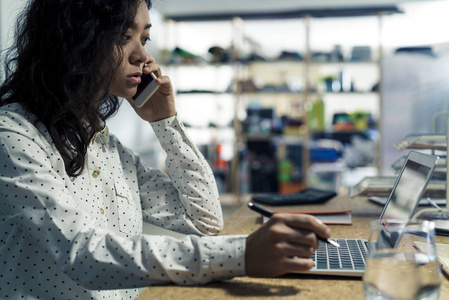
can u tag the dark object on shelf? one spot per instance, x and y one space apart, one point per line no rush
290 166
259 120
325 150
179 55
292 121
265 113
343 136
321 56
356 121
253 57
196 92
247 86
271 88
220 55
361 53
342 122
337 54
289 55
306 196
262 166
324 155
418 50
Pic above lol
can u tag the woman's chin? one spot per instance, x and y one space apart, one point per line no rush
126 95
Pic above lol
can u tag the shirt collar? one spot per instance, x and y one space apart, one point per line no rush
102 137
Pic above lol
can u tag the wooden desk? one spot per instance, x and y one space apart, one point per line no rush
294 286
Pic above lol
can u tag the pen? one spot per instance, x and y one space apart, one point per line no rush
268 213
431 202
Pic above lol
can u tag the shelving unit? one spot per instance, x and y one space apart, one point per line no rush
289 87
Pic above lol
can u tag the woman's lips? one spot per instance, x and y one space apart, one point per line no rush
134 78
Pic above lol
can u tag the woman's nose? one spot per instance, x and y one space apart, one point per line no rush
139 54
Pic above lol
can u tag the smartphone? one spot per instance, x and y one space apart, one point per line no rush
146 88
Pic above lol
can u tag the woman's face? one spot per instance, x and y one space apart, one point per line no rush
134 55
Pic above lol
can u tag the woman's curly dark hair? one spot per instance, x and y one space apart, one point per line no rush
61 67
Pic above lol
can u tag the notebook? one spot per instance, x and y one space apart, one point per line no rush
349 259
330 217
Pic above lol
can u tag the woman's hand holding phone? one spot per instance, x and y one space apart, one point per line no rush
154 100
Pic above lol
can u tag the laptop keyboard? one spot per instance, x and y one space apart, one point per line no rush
434 216
350 256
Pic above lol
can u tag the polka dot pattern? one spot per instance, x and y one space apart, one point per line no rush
81 238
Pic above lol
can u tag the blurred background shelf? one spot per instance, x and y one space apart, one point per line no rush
276 100
278 103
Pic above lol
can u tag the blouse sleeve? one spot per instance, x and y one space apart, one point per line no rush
186 199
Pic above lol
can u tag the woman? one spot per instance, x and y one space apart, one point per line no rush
73 198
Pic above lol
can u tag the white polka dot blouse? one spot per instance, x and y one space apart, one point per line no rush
81 238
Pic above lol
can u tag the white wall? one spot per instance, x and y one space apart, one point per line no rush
413 93
423 23
183 7
8 14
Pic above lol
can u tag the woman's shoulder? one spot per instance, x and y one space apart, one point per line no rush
15 112
15 118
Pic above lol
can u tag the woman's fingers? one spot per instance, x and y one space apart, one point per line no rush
290 250
297 264
281 232
303 221
284 244
151 66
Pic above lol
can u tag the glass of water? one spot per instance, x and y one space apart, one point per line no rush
402 261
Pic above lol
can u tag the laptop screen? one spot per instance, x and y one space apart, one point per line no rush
409 186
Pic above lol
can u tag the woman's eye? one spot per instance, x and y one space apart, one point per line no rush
126 38
145 40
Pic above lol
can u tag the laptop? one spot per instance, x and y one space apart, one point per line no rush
410 184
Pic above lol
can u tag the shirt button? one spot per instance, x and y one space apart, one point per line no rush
95 173
102 211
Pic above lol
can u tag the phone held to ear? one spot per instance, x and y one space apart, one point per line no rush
146 88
